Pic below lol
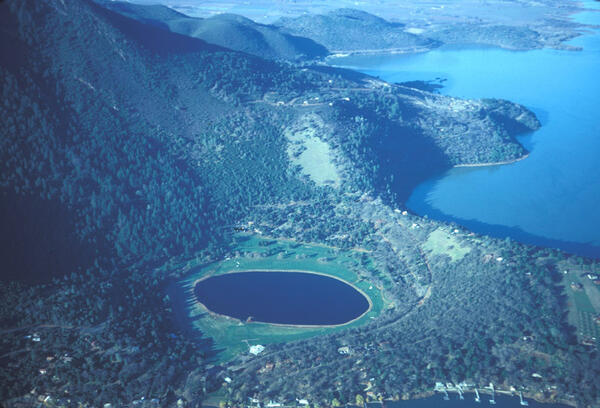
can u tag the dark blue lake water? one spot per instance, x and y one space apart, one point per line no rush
437 401
553 197
282 297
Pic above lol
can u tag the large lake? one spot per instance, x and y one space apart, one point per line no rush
294 298
553 197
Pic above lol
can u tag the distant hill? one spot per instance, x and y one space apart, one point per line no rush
346 30
503 36
227 30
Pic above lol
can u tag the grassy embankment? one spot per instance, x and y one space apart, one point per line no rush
231 336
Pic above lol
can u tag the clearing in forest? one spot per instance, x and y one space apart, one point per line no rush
441 242
308 149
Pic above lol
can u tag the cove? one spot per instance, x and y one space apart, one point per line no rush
280 297
549 199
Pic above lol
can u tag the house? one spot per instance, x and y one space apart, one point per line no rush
576 286
257 349
344 350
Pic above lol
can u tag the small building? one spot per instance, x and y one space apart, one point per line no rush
439 386
344 350
257 349
576 286
590 342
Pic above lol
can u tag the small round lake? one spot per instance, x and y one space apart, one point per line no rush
279 297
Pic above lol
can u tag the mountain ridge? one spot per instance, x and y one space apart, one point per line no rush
227 30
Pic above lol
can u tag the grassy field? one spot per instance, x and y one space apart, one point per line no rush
582 310
233 337
312 154
440 242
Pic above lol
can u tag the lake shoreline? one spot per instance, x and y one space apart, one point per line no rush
499 163
299 326
483 391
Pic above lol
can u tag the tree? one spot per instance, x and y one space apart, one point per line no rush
360 400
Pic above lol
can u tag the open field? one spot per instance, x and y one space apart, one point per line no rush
310 152
584 303
441 242
233 337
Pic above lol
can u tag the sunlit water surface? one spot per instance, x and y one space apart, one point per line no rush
550 199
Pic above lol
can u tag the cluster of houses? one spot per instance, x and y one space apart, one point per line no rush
255 403
594 278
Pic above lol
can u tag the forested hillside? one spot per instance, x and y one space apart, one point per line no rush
352 30
227 30
147 147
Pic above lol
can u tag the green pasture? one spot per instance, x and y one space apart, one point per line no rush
232 336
